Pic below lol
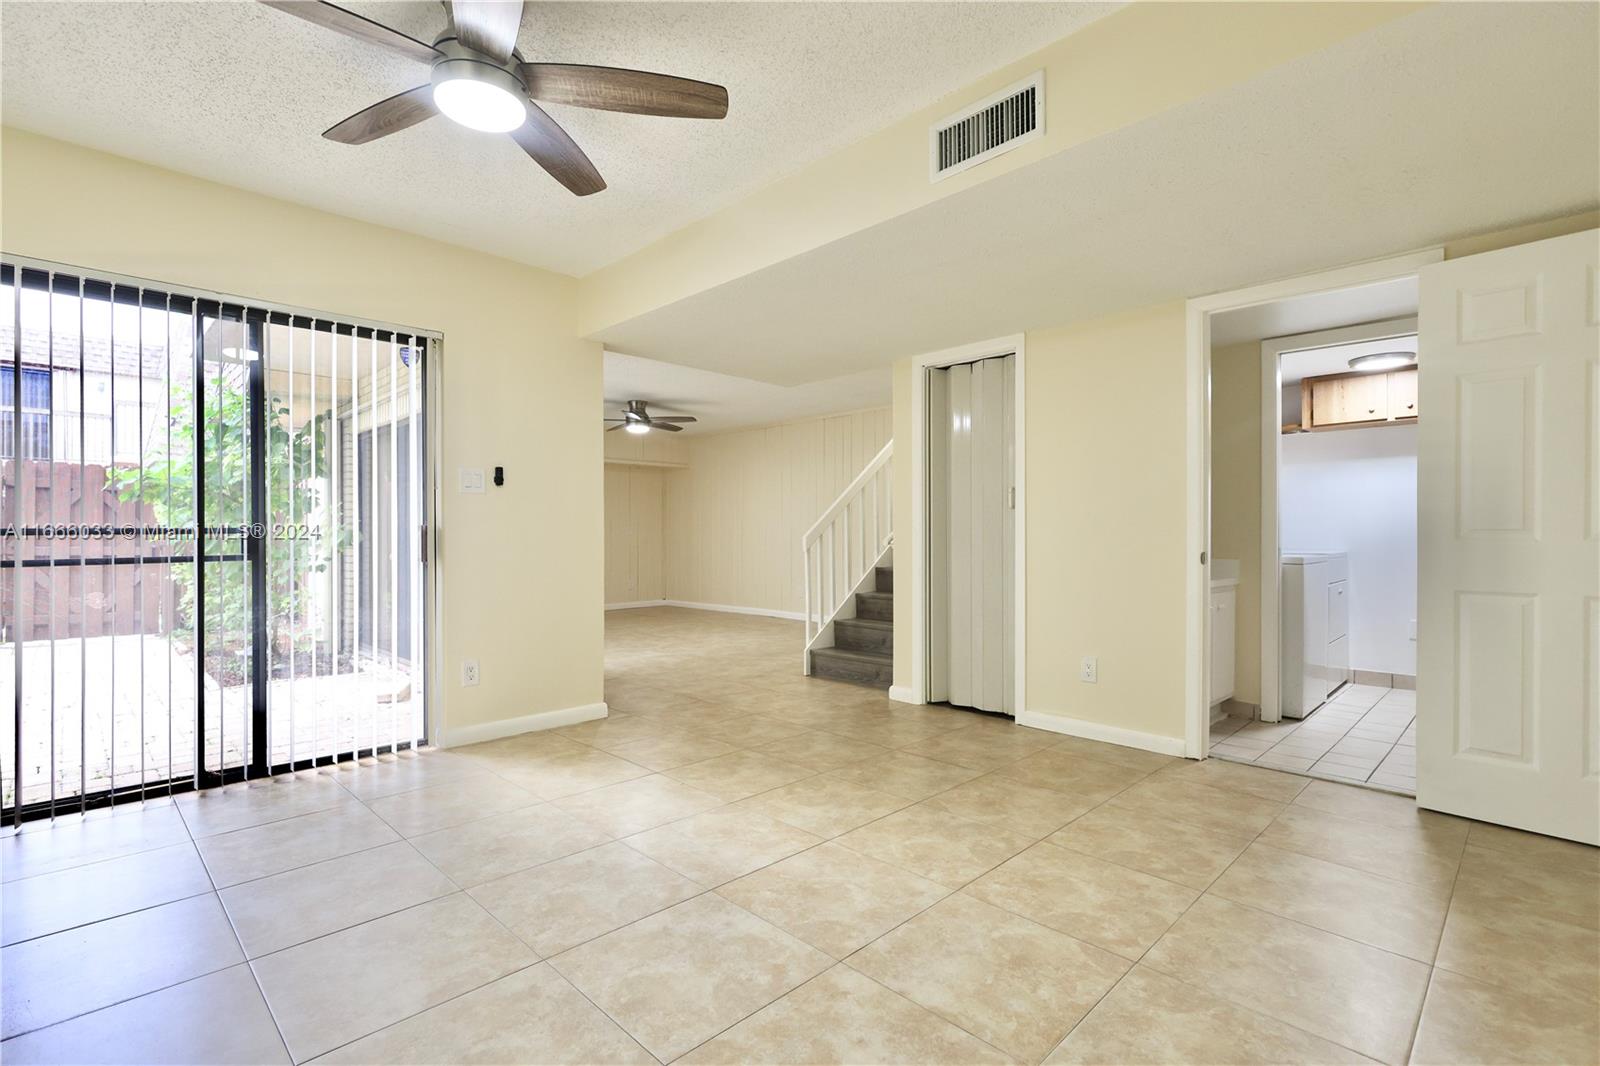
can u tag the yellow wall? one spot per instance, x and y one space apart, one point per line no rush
1105 453
1126 67
521 579
903 642
735 515
1236 497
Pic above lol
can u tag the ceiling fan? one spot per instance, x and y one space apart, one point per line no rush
479 80
635 419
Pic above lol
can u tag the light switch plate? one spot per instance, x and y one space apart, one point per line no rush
1090 670
472 479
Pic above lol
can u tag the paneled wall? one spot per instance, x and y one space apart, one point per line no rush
735 514
634 533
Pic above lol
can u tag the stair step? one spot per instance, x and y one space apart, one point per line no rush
860 667
885 578
864 634
878 606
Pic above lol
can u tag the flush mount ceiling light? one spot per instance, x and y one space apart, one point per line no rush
1384 361
480 80
479 96
637 427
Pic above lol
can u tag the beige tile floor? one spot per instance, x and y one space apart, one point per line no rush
745 866
1364 735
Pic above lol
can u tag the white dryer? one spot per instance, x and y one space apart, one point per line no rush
1314 622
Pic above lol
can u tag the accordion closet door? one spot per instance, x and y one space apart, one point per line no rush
971 535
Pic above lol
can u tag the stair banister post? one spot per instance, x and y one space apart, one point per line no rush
805 579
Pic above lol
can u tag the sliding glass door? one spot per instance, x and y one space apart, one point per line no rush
211 520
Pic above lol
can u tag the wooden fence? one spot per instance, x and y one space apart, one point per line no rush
82 594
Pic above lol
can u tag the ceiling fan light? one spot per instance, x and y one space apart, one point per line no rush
637 427
479 104
1383 361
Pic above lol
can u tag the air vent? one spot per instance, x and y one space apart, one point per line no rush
1012 117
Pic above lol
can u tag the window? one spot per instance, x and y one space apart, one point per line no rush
35 412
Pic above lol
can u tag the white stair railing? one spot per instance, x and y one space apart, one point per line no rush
850 538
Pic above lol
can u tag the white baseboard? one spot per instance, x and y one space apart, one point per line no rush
1077 727
903 694
793 616
528 723
636 603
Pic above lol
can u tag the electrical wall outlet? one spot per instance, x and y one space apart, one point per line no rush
469 672
1090 670
1411 630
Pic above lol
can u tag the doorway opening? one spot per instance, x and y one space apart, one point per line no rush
1257 354
1337 565
1507 713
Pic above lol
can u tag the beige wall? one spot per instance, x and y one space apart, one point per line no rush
521 580
1236 497
634 533
1105 467
1105 452
735 514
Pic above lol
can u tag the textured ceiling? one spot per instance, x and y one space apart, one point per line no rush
722 401
1458 119
239 93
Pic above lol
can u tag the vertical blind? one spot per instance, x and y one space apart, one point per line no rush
211 539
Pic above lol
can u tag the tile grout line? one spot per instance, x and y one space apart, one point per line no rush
228 917
1433 967
1207 891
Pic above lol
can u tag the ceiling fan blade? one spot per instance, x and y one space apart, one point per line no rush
488 26
351 24
558 153
637 92
656 423
673 418
612 429
399 112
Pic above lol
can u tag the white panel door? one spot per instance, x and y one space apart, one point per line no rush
1508 712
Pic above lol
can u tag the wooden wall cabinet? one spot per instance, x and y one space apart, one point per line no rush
1348 401
1403 394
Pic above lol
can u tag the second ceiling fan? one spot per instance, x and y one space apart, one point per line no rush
479 79
636 418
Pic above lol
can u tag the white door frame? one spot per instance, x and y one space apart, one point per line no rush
917 691
1198 312
1272 352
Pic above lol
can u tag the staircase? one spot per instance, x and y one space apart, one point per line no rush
863 646
847 561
